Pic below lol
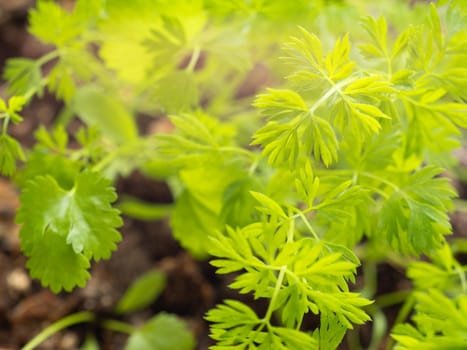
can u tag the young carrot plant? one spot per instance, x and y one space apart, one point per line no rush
341 164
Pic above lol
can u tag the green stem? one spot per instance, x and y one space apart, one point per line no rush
403 313
118 326
307 224
194 59
370 273
277 288
48 57
460 272
79 317
291 232
379 328
6 121
380 179
353 339
392 298
334 88
239 151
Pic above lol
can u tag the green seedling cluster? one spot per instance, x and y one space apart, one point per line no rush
338 163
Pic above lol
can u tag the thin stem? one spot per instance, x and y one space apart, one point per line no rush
370 272
79 317
194 59
334 88
379 328
277 288
461 274
403 313
393 298
308 225
118 326
239 150
6 121
48 57
380 179
291 232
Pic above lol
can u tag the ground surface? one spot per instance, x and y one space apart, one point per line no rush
193 287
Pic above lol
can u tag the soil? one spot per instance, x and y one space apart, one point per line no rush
192 288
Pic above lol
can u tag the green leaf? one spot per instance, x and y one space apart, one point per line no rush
80 220
280 105
40 161
269 205
316 279
23 75
54 262
377 29
61 81
15 104
142 293
56 140
52 24
162 332
233 324
197 141
177 92
164 43
89 11
286 338
439 323
376 153
414 219
98 108
313 71
283 137
338 65
331 331
192 220
10 153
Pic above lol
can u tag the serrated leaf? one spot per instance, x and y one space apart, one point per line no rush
142 292
269 205
81 219
331 331
233 325
53 261
56 140
162 332
401 43
23 75
165 42
337 63
293 131
294 339
40 162
439 323
52 24
414 218
280 104
15 105
10 153
61 82
377 29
